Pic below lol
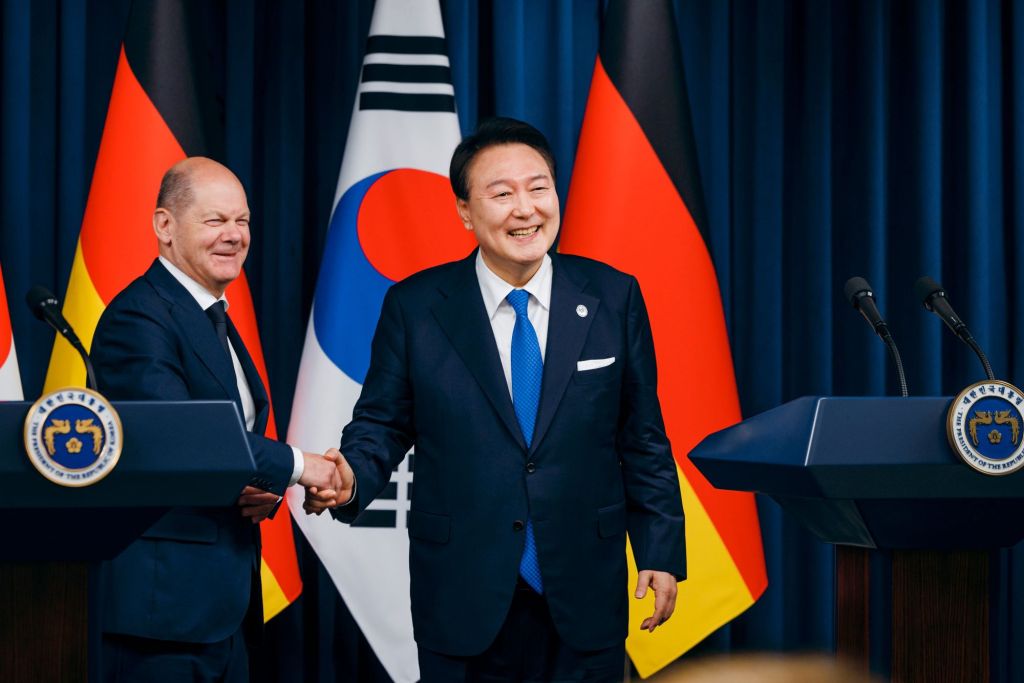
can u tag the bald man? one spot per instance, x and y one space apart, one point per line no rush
175 601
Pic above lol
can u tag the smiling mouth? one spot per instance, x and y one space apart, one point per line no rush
524 232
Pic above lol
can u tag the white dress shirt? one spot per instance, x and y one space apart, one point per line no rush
205 299
503 316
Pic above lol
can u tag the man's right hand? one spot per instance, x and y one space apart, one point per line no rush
328 479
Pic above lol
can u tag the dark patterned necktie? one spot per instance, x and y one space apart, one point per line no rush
217 313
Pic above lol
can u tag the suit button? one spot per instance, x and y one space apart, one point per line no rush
518 525
531 468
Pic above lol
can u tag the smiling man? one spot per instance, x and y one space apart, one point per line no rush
526 382
174 602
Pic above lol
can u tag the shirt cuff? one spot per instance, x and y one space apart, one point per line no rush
298 467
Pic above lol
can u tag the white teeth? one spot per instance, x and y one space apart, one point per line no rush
523 232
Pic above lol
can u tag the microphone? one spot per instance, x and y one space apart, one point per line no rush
46 307
858 292
933 298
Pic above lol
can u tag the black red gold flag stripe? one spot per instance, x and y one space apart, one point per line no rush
636 202
166 103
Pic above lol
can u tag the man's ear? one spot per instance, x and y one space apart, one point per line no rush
162 222
463 208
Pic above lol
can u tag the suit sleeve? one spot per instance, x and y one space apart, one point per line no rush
137 357
382 428
654 508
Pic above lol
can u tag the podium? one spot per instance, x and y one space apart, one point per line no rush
175 453
878 473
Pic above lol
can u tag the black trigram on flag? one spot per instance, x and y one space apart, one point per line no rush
406 73
390 509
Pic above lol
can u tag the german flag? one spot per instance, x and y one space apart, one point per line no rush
636 203
166 104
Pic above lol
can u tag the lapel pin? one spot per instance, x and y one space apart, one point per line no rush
581 311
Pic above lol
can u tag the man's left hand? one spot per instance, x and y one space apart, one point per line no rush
257 504
664 586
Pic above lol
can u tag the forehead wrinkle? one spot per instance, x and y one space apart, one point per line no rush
216 201
499 181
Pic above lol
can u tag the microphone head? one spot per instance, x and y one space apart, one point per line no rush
855 288
37 298
926 288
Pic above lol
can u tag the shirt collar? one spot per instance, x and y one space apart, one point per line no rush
494 289
202 296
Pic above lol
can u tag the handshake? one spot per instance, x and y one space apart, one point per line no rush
328 480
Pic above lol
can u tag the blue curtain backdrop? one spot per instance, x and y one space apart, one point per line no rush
869 137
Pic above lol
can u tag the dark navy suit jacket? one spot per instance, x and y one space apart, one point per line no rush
188 578
599 464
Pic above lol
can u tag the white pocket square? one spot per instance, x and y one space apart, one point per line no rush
594 364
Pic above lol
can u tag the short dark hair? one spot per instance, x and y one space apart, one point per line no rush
490 133
175 189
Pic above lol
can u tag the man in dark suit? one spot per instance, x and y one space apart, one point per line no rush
174 602
527 384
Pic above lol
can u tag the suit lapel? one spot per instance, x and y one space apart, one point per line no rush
464 320
252 377
199 332
567 330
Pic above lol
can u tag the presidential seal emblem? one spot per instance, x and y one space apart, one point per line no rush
73 437
984 426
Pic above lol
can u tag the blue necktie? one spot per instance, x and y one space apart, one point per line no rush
527 370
